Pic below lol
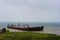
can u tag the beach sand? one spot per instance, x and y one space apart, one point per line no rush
49 30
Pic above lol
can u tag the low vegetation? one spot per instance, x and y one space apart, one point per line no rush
28 36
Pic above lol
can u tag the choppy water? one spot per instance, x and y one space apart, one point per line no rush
49 27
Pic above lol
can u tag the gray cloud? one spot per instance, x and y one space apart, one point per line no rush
30 10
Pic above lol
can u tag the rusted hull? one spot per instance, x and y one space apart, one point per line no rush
28 29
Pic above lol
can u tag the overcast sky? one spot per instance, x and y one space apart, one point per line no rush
29 10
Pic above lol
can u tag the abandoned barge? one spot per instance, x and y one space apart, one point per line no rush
28 28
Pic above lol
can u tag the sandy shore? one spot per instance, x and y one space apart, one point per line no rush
49 32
